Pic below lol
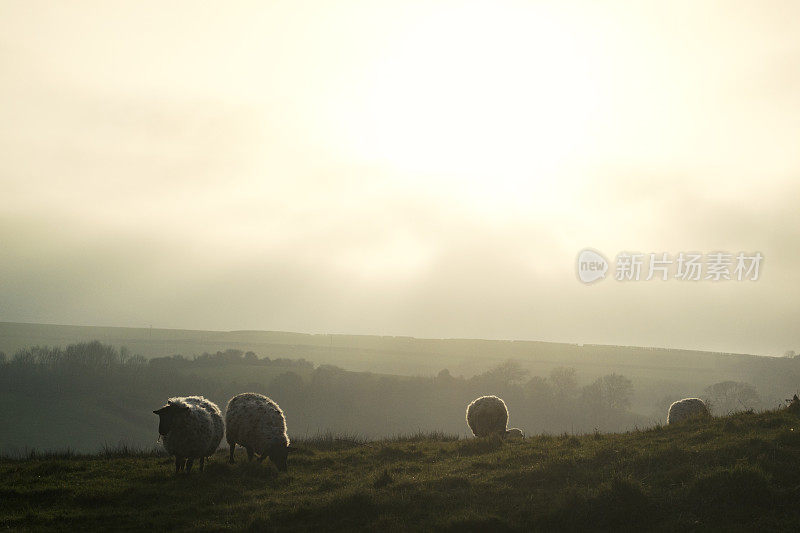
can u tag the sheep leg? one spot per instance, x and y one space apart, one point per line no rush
233 447
178 464
189 463
249 453
202 463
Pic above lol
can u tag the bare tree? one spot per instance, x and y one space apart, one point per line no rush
564 382
731 396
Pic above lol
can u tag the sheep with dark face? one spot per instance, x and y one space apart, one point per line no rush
254 421
688 408
190 428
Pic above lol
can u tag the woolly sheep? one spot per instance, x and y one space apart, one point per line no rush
487 415
257 423
686 409
190 427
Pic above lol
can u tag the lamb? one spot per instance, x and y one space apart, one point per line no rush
488 415
514 434
686 409
257 423
191 428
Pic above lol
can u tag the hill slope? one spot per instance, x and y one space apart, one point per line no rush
735 473
393 355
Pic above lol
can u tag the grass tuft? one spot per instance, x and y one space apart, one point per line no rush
479 445
384 479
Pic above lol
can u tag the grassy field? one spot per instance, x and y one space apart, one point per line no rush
735 473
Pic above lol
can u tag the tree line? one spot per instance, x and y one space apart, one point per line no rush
325 397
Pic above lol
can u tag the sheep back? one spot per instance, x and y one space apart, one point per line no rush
256 422
487 415
686 409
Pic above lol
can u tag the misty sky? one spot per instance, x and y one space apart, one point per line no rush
427 169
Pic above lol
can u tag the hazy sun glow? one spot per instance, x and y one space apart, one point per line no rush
493 96
422 167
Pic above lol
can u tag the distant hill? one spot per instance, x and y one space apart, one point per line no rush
656 372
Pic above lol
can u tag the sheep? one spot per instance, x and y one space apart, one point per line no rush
257 423
686 409
793 404
487 415
514 434
190 427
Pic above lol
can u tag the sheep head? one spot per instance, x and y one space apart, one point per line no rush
167 416
278 454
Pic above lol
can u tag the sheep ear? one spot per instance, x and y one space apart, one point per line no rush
163 410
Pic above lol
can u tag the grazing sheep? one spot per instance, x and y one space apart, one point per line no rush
190 428
793 404
254 421
686 409
514 434
487 415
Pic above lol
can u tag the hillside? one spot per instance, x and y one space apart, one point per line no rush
394 355
734 473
